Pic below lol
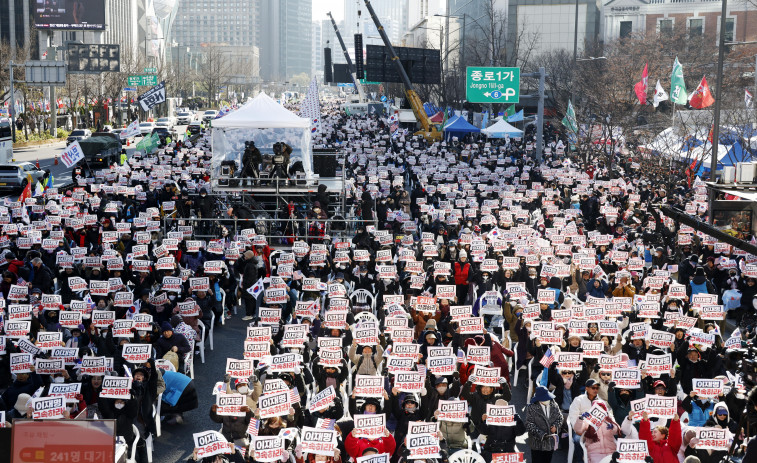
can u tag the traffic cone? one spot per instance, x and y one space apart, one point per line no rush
37 164
56 159
127 142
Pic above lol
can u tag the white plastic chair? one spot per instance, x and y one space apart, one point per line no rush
201 345
571 445
363 297
156 410
189 364
466 456
212 324
133 451
517 370
149 444
223 306
364 317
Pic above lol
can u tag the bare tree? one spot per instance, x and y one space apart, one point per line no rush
214 71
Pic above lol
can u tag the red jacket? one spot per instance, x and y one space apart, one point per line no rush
667 450
356 445
461 273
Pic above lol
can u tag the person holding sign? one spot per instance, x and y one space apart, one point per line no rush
360 446
599 440
233 428
482 396
663 443
500 438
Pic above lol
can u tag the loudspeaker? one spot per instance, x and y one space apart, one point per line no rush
328 75
359 56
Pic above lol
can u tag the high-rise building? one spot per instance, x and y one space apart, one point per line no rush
15 23
316 49
217 22
552 23
285 38
393 15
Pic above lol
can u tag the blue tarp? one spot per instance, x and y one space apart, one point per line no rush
458 126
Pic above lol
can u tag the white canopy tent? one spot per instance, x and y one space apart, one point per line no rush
501 130
265 122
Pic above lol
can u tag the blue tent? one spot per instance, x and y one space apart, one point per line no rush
458 127
736 153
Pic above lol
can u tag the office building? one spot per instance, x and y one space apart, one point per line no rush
285 38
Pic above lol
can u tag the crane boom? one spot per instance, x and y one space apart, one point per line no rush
353 70
429 131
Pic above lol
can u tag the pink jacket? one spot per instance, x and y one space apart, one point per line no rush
605 445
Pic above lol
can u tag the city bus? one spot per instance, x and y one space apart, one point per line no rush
6 141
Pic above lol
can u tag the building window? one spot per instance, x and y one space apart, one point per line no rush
730 27
665 26
696 28
626 27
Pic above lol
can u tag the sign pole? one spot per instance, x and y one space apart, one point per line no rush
12 104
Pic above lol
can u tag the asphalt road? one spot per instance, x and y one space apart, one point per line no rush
176 443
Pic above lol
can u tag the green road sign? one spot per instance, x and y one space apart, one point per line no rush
144 81
151 70
492 85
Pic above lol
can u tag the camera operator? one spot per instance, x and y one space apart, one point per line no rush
251 160
281 153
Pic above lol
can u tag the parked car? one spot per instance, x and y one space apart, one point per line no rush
184 117
78 135
194 128
209 115
15 176
145 128
166 121
162 132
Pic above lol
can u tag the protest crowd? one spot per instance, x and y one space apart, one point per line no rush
475 271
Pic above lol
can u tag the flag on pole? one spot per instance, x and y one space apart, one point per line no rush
747 98
702 97
27 193
311 106
569 121
547 359
678 93
659 95
325 423
485 119
510 111
39 190
257 288
517 117
641 86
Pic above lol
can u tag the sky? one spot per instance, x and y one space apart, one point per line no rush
321 7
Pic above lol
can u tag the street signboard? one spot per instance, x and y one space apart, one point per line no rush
492 85
45 72
130 89
142 81
93 58
151 70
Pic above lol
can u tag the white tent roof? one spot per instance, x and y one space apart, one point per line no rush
263 112
502 128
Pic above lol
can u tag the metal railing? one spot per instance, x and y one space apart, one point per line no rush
278 232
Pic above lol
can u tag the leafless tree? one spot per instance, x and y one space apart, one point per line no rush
214 71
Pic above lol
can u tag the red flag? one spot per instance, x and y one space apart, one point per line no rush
641 87
709 136
702 98
27 193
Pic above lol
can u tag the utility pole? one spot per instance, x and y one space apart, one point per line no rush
12 105
718 93
540 120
